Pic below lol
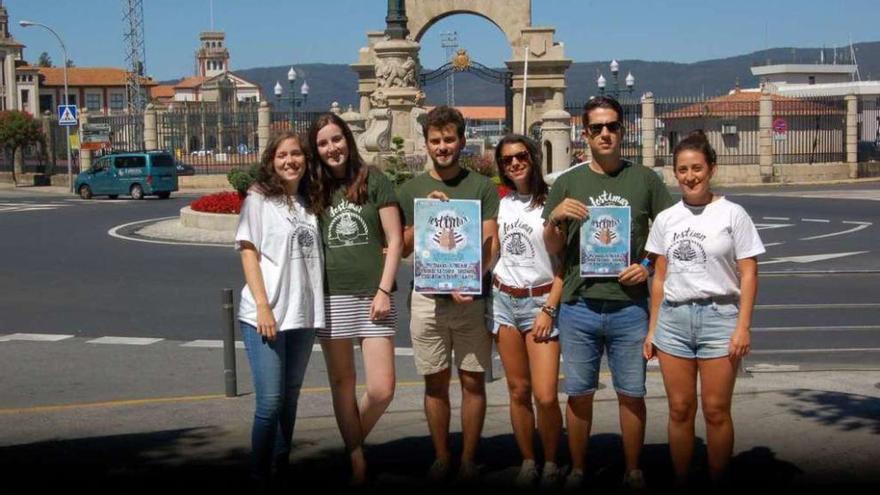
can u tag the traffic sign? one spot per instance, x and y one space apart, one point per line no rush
67 115
780 126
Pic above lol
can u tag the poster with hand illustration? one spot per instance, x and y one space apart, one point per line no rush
447 253
605 237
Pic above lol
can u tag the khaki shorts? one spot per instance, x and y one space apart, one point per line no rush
442 329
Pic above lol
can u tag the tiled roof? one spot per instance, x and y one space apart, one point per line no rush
87 76
748 104
480 113
162 91
190 82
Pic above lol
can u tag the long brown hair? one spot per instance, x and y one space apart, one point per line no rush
324 185
537 186
268 183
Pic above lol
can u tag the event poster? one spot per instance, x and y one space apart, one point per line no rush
448 253
605 236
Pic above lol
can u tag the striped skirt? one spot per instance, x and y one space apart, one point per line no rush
348 317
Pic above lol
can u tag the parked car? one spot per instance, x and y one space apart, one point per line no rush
202 153
184 168
137 174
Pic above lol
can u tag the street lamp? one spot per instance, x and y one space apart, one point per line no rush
25 24
616 91
294 99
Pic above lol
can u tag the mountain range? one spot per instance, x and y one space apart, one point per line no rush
338 82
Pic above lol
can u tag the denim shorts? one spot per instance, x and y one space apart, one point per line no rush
695 330
587 327
517 312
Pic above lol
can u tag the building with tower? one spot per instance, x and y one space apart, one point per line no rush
11 56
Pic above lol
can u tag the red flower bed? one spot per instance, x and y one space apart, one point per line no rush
223 202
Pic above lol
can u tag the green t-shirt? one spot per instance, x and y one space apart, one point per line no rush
633 185
466 185
353 239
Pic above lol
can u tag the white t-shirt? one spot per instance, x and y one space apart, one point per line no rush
524 261
291 259
701 246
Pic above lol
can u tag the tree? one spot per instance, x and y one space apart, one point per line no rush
17 130
45 60
70 63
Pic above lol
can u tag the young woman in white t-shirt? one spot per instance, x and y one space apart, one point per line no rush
702 297
524 300
283 301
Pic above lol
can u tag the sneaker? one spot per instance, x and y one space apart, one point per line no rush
439 471
634 482
468 472
550 477
574 481
528 475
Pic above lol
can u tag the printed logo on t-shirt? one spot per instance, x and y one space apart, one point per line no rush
608 199
347 227
303 241
516 244
686 253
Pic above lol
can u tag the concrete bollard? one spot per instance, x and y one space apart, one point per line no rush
229 371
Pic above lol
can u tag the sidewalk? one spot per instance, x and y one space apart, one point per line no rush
167 425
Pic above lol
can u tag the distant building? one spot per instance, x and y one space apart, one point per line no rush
102 90
212 80
12 56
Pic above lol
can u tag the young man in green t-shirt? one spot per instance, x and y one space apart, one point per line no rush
603 313
447 327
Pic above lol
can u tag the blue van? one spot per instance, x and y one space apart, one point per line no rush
137 174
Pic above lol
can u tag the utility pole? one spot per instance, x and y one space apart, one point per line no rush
135 57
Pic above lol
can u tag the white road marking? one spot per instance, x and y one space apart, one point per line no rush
35 337
114 233
859 226
810 258
211 344
815 351
785 219
768 226
771 244
764 367
816 220
819 306
124 341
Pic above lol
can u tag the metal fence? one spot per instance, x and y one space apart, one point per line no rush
730 124
631 145
809 130
126 131
869 130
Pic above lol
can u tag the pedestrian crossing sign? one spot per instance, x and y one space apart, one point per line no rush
67 115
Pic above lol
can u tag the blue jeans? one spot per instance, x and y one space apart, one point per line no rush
517 312
278 369
696 329
589 326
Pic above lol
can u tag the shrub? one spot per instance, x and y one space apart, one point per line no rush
396 168
241 179
483 165
222 202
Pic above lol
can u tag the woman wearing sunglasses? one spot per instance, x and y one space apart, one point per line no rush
524 302
702 298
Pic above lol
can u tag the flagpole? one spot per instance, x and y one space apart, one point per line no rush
525 90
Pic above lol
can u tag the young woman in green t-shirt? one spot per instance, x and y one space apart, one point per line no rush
360 227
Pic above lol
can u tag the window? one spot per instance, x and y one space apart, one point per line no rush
47 104
25 98
131 161
812 79
93 101
117 101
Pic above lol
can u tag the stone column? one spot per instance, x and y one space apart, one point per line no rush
765 134
852 135
397 72
556 131
264 117
649 131
85 156
151 131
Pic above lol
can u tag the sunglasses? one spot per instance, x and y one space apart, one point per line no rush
596 129
521 157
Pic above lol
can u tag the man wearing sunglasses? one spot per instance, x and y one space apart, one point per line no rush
600 314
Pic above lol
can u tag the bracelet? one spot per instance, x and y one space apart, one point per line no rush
384 291
549 310
646 262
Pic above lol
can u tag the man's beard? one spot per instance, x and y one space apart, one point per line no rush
454 157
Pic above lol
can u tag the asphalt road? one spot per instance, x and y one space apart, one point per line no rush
63 274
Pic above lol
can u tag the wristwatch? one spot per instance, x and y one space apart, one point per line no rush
557 222
549 310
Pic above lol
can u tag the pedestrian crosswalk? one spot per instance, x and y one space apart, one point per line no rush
30 206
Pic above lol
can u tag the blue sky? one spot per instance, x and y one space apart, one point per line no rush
264 33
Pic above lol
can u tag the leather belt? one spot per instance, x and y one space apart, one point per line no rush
706 301
522 291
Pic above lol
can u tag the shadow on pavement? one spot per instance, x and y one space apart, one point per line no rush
848 412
